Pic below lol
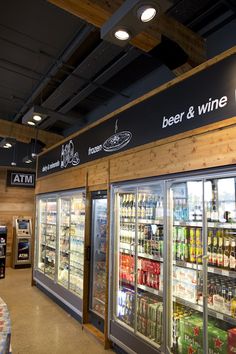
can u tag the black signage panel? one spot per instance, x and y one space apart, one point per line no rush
206 97
23 251
20 179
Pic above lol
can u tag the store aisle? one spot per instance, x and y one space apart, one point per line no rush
38 324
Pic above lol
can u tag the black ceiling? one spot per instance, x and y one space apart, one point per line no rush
53 59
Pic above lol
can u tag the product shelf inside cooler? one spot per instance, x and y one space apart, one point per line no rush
211 312
219 271
98 300
150 290
210 224
142 222
47 245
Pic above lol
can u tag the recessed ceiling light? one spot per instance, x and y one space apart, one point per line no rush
122 35
27 159
146 13
8 145
37 118
13 163
30 122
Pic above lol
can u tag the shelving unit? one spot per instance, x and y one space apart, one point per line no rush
3 249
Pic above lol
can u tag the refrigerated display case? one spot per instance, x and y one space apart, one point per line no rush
59 257
204 249
137 301
174 275
97 298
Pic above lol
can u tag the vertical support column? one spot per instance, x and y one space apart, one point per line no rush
168 268
107 342
205 274
85 317
34 233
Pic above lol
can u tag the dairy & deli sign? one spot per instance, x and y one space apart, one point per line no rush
20 179
206 97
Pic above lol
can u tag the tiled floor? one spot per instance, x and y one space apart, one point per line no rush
39 326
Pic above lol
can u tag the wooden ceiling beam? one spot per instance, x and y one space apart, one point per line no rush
97 12
24 133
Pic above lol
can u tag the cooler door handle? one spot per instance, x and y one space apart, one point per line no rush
88 253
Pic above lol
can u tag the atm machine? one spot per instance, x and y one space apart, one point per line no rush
22 243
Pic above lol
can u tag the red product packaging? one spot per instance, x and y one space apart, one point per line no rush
232 341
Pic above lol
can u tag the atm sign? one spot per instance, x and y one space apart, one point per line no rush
20 179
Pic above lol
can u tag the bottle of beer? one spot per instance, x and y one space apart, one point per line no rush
133 209
214 251
149 208
209 249
220 254
226 253
129 207
232 258
143 207
122 207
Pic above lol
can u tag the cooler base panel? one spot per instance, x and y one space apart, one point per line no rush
129 342
63 297
96 321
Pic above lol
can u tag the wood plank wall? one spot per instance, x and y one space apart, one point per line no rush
15 202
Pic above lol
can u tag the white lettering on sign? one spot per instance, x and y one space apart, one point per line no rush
23 255
212 105
172 120
207 107
22 179
94 149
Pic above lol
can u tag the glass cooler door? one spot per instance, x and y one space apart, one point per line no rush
47 220
77 232
186 245
64 241
138 295
220 206
42 218
98 261
50 237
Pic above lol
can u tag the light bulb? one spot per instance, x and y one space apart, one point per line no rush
146 13
37 118
122 35
30 122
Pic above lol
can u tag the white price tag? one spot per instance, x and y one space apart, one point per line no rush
219 316
225 272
